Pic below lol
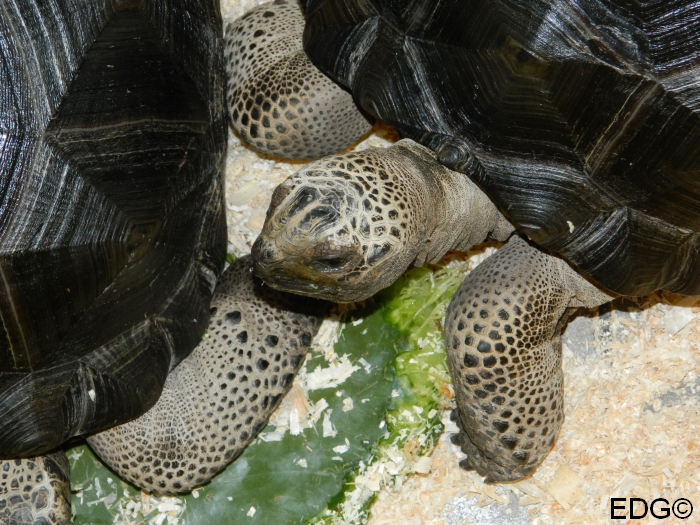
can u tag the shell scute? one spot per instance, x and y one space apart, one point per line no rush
111 223
580 121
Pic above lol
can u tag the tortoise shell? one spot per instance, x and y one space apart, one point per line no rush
578 119
112 233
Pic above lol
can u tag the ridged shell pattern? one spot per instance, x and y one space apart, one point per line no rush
112 233
579 119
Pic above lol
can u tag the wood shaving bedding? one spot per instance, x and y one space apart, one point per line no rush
633 410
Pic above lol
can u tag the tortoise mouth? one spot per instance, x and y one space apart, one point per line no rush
321 275
304 282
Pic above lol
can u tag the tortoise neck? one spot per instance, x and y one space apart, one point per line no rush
458 215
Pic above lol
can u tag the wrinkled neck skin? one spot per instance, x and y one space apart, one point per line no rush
458 215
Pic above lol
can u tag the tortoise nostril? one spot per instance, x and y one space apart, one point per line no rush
262 252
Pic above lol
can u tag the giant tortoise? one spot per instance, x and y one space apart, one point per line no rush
574 134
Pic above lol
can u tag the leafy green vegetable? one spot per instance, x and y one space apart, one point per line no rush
415 305
284 482
372 428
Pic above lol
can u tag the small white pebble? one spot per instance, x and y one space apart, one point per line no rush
676 319
195 494
348 404
91 393
302 463
251 512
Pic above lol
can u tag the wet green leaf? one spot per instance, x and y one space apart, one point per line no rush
396 394
268 476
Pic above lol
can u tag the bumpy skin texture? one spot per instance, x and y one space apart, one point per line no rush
580 120
35 491
346 226
329 233
503 334
278 100
218 399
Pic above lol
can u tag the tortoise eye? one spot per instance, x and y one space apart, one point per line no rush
331 262
334 262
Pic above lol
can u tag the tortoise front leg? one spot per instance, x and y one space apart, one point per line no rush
35 490
503 332
217 400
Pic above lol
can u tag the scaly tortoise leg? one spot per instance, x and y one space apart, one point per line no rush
503 333
217 399
35 491
278 101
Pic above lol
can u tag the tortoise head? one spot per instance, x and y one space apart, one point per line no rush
337 230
